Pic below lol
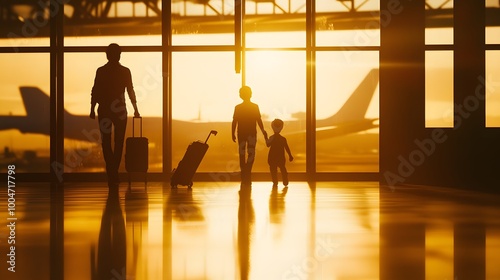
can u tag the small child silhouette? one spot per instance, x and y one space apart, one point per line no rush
276 158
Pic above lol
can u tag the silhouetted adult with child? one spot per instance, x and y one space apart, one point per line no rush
108 91
246 117
276 158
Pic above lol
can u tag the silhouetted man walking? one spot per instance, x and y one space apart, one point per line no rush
108 91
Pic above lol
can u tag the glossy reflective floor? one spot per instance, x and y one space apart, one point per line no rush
327 230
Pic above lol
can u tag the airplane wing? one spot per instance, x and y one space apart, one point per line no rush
326 132
346 128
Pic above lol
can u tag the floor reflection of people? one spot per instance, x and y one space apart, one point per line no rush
180 207
183 206
277 205
246 219
110 261
137 214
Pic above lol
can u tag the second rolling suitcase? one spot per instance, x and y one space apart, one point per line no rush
183 174
136 152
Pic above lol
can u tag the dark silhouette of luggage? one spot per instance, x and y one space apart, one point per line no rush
136 153
183 174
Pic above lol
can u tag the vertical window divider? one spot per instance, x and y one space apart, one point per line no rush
310 91
56 93
166 51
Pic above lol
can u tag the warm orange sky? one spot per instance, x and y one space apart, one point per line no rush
199 79
210 78
205 85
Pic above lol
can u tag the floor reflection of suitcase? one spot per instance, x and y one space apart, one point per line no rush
136 153
183 174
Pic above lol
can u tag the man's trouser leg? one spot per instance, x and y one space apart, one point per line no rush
105 127
120 125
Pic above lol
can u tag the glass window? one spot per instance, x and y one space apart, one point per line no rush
492 28
129 23
349 23
439 22
83 152
492 86
437 36
278 82
24 23
204 93
25 111
136 40
347 111
204 84
202 22
264 39
275 24
439 89
492 34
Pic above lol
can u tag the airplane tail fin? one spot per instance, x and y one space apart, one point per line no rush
354 109
37 120
36 103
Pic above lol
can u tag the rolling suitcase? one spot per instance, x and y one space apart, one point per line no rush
136 153
183 174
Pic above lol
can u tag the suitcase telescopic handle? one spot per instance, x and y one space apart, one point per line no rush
133 126
214 132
